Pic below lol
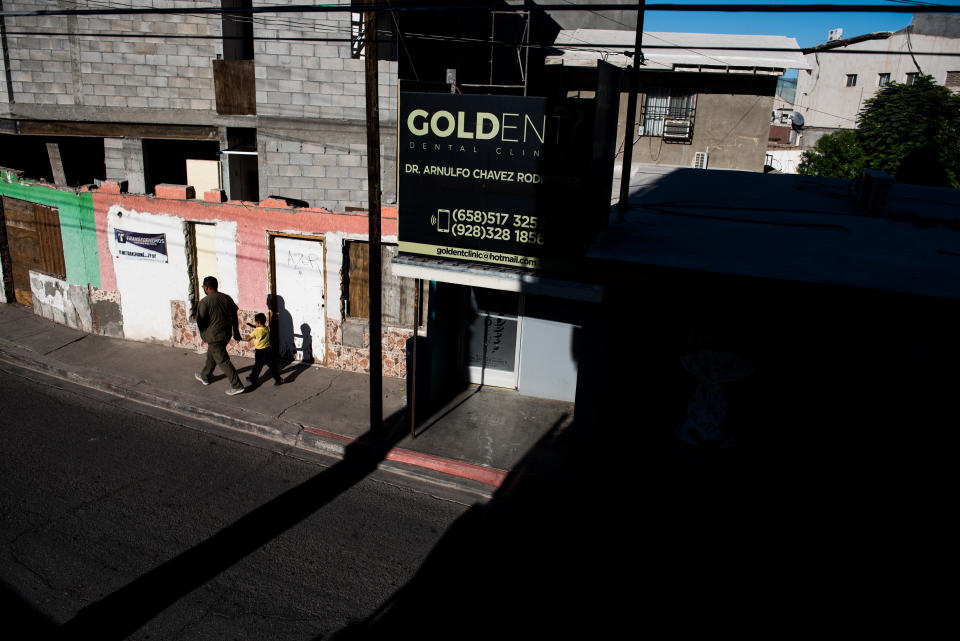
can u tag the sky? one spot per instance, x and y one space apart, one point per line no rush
808 28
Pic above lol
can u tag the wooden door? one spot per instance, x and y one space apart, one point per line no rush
33 242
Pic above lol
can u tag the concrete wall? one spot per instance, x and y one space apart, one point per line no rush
548 365
130 79
77 229
160 312
325 166
61 302
315 79
826 101
321 161
82 307
731 124
147 287
310 96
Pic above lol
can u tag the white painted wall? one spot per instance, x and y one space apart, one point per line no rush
786 160
3 290
823 97
146 288
548 366
333 257
227 258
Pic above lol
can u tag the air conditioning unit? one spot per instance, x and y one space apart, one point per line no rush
700 160
677 129
873 189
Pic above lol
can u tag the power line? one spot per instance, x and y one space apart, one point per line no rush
593 47
486 6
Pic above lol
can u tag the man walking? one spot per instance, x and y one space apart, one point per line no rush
217 322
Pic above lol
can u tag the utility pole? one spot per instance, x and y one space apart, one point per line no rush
373 216
634 81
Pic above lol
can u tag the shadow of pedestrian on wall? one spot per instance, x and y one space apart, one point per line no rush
306 343
281 329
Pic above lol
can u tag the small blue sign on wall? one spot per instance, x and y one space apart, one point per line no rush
136 246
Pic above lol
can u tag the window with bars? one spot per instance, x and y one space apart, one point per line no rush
667 112
953 79
883 79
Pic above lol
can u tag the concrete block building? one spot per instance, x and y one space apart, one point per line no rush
271 106
705 99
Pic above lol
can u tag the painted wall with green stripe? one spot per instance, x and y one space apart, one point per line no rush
77 227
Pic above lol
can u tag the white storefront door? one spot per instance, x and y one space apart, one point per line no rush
299 287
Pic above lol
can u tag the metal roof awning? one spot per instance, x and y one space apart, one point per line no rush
494 277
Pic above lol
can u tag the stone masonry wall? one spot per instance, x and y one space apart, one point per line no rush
357 359
143 71
186 334
339 356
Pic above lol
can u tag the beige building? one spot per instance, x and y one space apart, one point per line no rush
705 99
842 74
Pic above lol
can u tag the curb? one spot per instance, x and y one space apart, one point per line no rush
300 436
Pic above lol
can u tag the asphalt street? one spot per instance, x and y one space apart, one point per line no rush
117 523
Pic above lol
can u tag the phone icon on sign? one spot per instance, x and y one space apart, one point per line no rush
443 220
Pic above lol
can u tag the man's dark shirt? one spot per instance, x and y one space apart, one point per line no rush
217 318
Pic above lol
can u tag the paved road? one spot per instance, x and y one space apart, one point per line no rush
117 523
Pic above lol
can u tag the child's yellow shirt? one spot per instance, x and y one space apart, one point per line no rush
261 338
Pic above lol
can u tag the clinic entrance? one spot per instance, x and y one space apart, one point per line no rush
491 339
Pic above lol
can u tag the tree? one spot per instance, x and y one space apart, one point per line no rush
836 155
913 132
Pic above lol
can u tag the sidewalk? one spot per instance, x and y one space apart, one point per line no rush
472 442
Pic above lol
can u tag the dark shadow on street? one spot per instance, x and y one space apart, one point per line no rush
120 614
447 411
19 614
291 370
822 498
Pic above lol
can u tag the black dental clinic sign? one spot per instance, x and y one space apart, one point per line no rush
494 179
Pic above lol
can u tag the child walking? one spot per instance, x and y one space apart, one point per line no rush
262 354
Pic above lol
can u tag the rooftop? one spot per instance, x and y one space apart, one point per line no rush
682 51
788 227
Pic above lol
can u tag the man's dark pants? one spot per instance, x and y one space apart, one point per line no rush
217 355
